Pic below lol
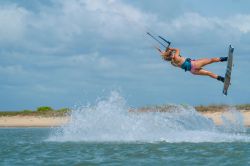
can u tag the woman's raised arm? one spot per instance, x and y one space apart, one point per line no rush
177 51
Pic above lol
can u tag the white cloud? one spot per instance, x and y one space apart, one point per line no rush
93 60
68 20
11 70
78 43
192 21
195 23
12 23
115 19
241 22
92 22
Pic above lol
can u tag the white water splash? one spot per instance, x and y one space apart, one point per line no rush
109 120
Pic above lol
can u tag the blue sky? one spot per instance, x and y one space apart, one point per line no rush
63 53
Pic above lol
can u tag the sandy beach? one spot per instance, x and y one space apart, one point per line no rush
31 121
34 121
216 117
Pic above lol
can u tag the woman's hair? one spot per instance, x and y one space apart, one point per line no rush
167 56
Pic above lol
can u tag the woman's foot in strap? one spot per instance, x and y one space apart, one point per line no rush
223 59
220 78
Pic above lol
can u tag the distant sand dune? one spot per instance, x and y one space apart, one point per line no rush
216 116
34 121
31 121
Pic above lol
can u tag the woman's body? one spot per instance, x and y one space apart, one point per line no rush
194 66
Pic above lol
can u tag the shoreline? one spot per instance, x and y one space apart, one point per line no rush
46 122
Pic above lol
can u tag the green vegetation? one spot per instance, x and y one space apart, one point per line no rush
160 108
46 111
218 108
40 111
212 108
200 108
243 107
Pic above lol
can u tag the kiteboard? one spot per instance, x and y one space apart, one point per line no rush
228 70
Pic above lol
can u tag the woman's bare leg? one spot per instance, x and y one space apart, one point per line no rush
199 63
205 73
208 73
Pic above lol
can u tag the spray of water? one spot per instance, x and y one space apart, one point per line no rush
110 121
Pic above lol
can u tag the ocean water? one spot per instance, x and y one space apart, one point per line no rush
107 134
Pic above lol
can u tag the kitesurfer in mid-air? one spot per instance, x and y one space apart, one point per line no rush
194 66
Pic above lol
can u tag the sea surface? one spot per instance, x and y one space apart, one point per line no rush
107 134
